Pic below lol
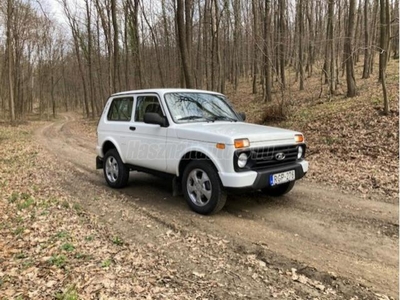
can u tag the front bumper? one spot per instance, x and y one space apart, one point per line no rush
260 179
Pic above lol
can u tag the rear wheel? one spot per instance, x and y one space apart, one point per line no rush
279 190
202 188
116 172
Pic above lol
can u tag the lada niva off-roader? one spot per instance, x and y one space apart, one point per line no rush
197 138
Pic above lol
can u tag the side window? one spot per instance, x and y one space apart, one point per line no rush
120 109
145 104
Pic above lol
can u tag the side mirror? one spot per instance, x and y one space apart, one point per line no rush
154 118
242 115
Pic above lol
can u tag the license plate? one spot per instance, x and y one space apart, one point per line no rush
281 177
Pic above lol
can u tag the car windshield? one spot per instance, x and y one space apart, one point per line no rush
199 107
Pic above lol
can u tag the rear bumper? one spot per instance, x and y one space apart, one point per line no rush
260 179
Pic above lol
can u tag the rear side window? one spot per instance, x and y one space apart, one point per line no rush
120 109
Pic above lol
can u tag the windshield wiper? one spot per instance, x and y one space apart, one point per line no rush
216 118
190 118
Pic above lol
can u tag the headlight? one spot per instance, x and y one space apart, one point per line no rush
300 152
242 160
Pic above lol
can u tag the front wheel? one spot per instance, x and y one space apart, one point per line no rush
115 171
202 188
279 190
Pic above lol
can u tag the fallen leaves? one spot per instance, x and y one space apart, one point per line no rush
52 248
351 145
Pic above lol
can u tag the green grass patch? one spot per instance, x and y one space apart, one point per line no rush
68 247
69 294
21 255
26 203
27 263
77 207
82 256
65 204
106 263
58 260
62 234
19 230
117 241
89 238
329 140
14 197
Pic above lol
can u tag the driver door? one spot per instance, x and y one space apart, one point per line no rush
147 141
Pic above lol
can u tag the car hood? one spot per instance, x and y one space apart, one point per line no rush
227 132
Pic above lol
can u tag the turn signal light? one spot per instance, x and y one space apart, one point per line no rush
220 146
299 138
242 143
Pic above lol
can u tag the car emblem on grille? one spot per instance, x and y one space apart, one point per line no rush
280 156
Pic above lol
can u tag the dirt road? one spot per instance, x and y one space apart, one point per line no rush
340 245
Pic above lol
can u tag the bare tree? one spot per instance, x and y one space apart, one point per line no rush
267 57
301 32
10 11
348 50
384 49
282 44
255 46
182 38
116 74
366 42
76 38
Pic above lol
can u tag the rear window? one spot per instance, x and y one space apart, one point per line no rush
120 109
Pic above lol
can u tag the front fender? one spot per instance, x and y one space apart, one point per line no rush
212 154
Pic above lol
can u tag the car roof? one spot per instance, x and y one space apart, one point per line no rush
162 91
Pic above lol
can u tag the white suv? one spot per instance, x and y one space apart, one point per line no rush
196 138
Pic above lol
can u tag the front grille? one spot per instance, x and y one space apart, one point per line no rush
266 157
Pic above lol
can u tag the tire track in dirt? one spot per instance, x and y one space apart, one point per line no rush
312 229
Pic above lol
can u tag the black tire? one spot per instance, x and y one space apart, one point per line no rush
116 172
279 190
207 195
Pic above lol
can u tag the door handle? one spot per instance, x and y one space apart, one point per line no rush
132 128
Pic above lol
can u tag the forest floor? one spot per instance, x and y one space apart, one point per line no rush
66 235
351 144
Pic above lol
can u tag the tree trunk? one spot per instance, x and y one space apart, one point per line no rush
255 46
76 37
267 57
156 48
395 26
366 42
215 55
282 42
384 46
356 35
10 10
372 42
116 75
331 46
311 30
89 56
236 42
182 40
301 32
135 42
348 50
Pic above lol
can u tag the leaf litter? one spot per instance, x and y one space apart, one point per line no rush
52 248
